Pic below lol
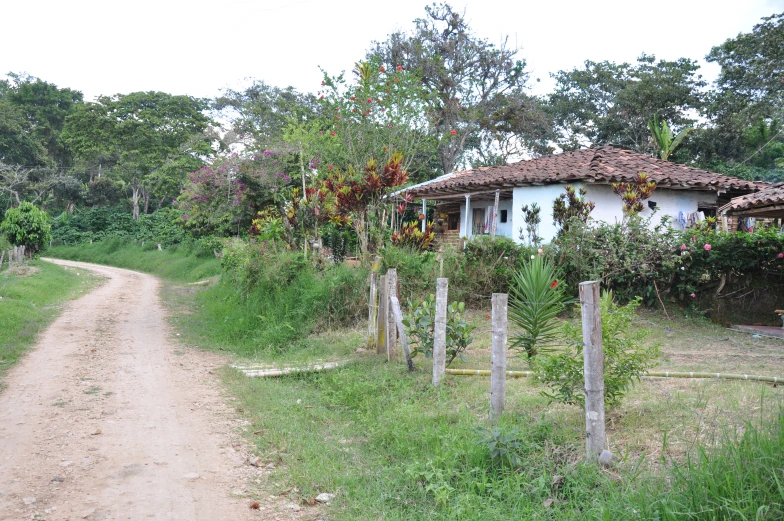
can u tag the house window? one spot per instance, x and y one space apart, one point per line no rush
502 216
453 221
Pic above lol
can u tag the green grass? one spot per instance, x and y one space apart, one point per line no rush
30 303
177 263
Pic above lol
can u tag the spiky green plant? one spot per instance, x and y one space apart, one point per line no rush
537 297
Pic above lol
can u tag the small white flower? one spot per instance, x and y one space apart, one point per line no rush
683 268
533 257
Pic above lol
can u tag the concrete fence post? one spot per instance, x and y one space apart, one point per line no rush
593 359
498 363
439 333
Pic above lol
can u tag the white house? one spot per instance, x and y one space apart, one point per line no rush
681 191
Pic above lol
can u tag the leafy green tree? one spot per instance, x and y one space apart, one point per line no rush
43 108
606 103
752 65
149 140
28 226
383 111
479 87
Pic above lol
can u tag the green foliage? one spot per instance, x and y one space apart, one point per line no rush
707 257
490 265
32 115
608 103
101 223
537 297
149 140
270 297
27 226
420 327
625 358
634 192
627 257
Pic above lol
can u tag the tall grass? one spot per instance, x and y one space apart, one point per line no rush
287 303
182 262
739 477
29 303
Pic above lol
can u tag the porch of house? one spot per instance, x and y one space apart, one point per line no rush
464 216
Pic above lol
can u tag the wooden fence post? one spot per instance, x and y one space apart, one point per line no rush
593 358
401 329
439 333
498 364
494 224
381 317
390 316
372 306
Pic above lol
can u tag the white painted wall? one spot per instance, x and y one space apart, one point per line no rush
608 206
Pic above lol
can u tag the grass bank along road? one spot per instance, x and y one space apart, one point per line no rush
107 419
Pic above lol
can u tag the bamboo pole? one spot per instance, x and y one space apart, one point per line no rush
390 317
498 363
593 369
439 333
649 374
395 305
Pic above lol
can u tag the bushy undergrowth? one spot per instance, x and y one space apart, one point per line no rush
96 224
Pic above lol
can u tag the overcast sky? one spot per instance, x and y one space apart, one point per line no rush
199 47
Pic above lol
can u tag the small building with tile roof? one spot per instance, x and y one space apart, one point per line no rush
681 190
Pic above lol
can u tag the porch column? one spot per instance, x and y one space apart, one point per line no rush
467 220
424 212
494 225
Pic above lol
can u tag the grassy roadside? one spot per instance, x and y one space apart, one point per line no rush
31 297
392 447
176 263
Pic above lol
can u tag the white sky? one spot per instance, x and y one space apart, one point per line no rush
198 47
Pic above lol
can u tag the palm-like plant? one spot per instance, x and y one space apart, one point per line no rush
664 138
537 298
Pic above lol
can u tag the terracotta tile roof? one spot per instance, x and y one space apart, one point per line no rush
595 165
774 195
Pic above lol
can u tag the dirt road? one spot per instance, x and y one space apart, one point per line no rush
109 418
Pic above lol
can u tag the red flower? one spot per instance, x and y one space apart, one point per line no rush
707 247
321 97
554 284
353 98
332 133
382 69
454 132
487 316
330 168
399 67
385 149
421 216
781 255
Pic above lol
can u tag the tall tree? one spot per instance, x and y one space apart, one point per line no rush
44 107
607 103
150 140
479 87
751 80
